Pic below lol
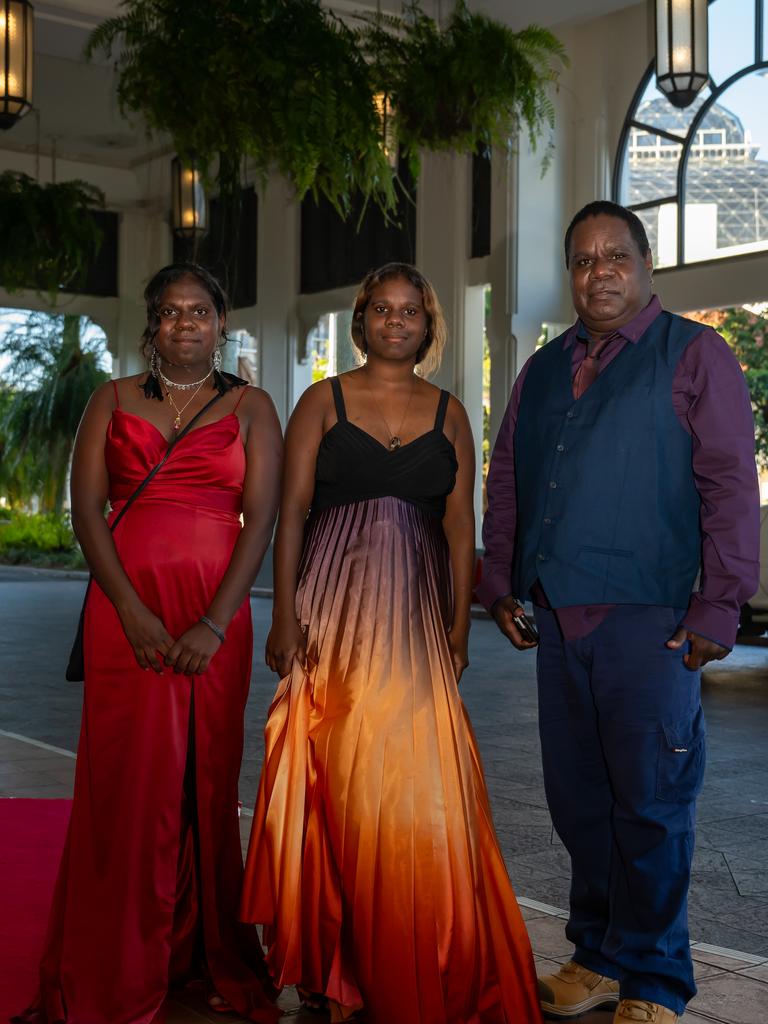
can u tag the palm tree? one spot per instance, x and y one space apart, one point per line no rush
53 366
17 474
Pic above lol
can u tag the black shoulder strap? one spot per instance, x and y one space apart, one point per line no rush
338 400
442 405
129 501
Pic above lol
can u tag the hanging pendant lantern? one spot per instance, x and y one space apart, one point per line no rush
189 212
682 64
385 112
16 40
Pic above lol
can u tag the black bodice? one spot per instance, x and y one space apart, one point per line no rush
352 465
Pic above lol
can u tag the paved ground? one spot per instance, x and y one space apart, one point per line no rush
729 896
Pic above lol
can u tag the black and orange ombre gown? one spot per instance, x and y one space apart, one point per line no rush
150 878
373 862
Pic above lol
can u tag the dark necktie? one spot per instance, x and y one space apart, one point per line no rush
590 365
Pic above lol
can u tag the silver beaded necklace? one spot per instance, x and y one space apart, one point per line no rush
184 387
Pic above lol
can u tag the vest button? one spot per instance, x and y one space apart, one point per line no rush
547 521
553 484
570 414
542 558
560 448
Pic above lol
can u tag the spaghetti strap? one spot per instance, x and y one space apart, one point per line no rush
117 396
338 400
442 405
243 389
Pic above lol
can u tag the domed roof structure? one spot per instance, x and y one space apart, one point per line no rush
660 113
723 169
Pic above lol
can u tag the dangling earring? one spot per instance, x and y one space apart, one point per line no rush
217 359
154 362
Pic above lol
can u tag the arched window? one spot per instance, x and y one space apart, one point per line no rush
698 177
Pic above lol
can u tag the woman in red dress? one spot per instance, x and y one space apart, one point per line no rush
149 883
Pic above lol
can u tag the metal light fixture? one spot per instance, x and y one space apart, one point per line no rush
682 66
189 212
16 37
385 112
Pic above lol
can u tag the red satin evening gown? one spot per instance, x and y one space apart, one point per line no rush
150 878
373 863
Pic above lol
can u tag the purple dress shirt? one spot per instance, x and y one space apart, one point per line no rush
711 401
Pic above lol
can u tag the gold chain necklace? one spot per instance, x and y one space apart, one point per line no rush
394 438
179 411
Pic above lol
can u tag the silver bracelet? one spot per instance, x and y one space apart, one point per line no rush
214 628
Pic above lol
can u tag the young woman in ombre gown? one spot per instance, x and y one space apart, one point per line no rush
148 888
373 863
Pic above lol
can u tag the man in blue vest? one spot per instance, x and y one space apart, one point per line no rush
623 472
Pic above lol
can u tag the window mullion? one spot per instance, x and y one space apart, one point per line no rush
758 31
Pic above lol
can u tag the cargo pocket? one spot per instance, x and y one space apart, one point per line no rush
680 771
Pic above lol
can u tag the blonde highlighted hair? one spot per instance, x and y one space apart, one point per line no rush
431 350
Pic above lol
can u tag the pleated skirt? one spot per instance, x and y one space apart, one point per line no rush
373 863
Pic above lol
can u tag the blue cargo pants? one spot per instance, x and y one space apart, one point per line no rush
622 736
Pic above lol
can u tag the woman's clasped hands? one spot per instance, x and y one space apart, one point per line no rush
155 648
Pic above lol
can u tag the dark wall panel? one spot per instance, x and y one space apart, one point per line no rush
481 204
210 249
101 276
334 253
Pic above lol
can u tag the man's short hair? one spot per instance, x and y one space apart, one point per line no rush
604 206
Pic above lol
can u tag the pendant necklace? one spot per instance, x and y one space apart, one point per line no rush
177 410
394 438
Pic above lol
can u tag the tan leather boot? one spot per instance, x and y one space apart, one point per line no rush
639 1011
573 990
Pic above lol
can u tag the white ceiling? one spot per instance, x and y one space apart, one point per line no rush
514 12
76 100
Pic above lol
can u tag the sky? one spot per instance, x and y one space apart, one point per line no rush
731 46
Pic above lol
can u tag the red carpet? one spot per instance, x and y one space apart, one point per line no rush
33 834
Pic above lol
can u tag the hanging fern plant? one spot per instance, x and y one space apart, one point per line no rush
281 82
291 86
473 84
55 239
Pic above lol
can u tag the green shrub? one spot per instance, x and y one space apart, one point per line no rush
39 539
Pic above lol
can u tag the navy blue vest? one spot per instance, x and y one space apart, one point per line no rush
607 508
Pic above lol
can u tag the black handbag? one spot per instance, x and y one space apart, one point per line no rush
75 672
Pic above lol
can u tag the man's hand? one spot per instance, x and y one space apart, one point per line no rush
504 612
702 650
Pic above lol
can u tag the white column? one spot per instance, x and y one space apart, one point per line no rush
472 387
442 247
145 245
280 333
502 266
442 254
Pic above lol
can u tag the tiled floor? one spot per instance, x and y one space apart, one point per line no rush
733 987
729 894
